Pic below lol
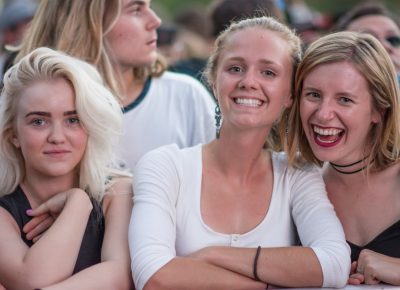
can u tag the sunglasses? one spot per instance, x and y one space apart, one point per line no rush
393 40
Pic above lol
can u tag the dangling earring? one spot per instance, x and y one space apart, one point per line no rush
287 124
218 122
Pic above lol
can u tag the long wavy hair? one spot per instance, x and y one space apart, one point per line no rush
98 110
79 28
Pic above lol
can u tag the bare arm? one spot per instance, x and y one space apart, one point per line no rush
114 270
277 266
22 267
189 273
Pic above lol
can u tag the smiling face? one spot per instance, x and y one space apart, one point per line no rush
133 38
337 112
385 30
47 129
252 82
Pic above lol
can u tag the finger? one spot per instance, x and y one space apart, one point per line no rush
356 279
35 239
40 228
34 222
353 267
370 279
41 209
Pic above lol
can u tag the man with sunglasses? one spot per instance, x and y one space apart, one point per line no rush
374 18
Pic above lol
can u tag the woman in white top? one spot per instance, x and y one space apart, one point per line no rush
224 215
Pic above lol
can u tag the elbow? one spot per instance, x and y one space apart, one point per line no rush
155 284
339 273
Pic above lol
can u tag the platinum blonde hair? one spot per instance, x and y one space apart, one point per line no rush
97 108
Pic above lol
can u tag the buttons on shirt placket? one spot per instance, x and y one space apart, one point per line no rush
235 239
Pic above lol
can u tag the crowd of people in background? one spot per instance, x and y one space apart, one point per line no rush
202 153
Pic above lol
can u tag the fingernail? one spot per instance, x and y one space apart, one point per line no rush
29 211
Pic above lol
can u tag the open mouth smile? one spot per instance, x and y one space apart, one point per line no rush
249 102
327 137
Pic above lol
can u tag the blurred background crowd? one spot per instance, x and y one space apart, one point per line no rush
189 26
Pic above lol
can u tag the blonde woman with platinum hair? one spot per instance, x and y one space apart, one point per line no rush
64 207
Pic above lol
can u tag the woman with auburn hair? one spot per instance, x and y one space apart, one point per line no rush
229 214
119 37
64 207
347 107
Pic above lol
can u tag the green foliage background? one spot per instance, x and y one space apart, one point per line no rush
168 8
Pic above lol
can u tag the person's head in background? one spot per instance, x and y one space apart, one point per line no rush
374 18
187 38
15 17
14 20
117 36
224 12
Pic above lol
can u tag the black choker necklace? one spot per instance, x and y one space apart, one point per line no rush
348 165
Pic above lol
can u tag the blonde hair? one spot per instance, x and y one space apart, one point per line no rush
370 58
78 28
97 108
263 22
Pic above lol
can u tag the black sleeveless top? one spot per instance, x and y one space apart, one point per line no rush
386 243
17 204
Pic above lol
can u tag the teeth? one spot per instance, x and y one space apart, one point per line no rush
326 132
248 102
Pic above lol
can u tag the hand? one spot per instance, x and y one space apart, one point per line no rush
37 226
377 268
46 213
355 278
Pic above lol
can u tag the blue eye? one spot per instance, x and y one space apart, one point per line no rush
269 73
313 95
38 122
74 120
345 100
235 69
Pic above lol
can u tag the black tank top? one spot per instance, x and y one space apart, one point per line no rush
17 204
386 243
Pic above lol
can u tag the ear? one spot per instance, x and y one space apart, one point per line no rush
377 115
289 101
14 140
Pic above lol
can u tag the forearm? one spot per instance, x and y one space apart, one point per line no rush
103 276
189 273
288 267
61 242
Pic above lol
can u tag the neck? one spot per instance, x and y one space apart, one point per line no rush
354 167
130 88
237 155
39 189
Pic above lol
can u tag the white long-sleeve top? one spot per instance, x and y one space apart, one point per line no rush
166 220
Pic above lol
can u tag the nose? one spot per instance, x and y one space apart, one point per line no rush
56 134
325 111
154 20
248 80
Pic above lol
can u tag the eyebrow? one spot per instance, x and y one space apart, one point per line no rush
135 2
47 114
238 58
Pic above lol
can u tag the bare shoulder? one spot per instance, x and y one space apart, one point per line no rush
119 192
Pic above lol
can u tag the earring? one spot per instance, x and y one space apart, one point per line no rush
287 124
218 118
